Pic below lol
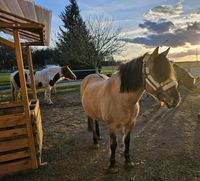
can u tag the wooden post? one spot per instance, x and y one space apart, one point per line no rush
25 100
30 65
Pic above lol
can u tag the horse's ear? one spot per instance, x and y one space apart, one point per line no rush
166 52
155 52
153 55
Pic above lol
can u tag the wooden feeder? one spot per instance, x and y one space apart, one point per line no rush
21 132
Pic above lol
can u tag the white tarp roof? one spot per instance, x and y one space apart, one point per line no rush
29 10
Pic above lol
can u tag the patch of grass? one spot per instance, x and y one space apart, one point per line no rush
4 79
109 70
63 89
6 96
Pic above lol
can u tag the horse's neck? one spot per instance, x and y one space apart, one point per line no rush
52 72
131 97
45 75
184 77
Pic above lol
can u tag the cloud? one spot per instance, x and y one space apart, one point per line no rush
159 27
175 32
179 38
165 10
184 53
194 26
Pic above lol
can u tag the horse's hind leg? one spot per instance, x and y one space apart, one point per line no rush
92 125
89 123
97 130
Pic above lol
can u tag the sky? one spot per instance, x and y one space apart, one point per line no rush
144 24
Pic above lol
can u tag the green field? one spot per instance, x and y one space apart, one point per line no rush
109 70
4 79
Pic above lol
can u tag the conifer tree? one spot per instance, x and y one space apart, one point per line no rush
74 43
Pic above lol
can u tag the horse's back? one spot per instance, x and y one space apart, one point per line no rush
90 80
92 91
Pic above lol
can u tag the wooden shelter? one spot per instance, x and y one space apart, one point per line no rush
20 121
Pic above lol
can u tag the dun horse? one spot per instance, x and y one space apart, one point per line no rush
185 78
45 78
115 100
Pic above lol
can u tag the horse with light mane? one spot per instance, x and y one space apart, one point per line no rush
45 78
115 100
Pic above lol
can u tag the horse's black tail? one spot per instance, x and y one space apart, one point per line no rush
90 123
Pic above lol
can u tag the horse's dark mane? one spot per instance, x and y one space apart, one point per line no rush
131 75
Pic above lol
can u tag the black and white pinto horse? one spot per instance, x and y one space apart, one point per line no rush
45 78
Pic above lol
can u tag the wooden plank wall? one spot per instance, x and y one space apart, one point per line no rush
14 146
15 154
37 130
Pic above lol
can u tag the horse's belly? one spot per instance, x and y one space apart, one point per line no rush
91 106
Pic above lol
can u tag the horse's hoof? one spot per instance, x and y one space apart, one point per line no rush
96 146
129 165
113 170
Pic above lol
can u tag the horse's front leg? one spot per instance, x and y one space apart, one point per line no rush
47 96
128 162
113 146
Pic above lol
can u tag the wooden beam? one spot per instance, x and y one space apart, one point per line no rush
10 104
41 33
12 120
14 155
18 17
15 166
25 100
7 43
27 26
34 43
13 144
30 65
27 34
10 133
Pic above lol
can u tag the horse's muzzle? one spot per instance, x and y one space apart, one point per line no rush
173 103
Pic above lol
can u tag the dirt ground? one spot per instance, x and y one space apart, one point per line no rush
165 144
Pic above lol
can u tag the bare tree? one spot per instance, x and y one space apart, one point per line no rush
105 37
